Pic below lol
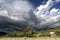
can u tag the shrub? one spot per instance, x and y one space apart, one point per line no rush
15 34
58 33
29 34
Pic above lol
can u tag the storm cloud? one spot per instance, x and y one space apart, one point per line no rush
15 9
14 14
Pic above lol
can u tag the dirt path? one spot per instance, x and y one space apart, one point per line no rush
40 38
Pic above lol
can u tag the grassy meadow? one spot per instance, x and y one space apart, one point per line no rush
28 34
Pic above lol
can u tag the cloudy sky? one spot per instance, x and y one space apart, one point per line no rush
36 13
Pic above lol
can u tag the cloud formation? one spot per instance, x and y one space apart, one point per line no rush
15 9
20 10
47 15
13 14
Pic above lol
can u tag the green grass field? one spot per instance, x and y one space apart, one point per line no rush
38 38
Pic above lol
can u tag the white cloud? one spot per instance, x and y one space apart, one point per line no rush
14 18
59 13
47 15
47 5
44 8
3 13
54 12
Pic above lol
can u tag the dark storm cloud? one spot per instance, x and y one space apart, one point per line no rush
8 25
14 14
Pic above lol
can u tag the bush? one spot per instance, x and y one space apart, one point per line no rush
37 35
29 34
58 33
15 34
